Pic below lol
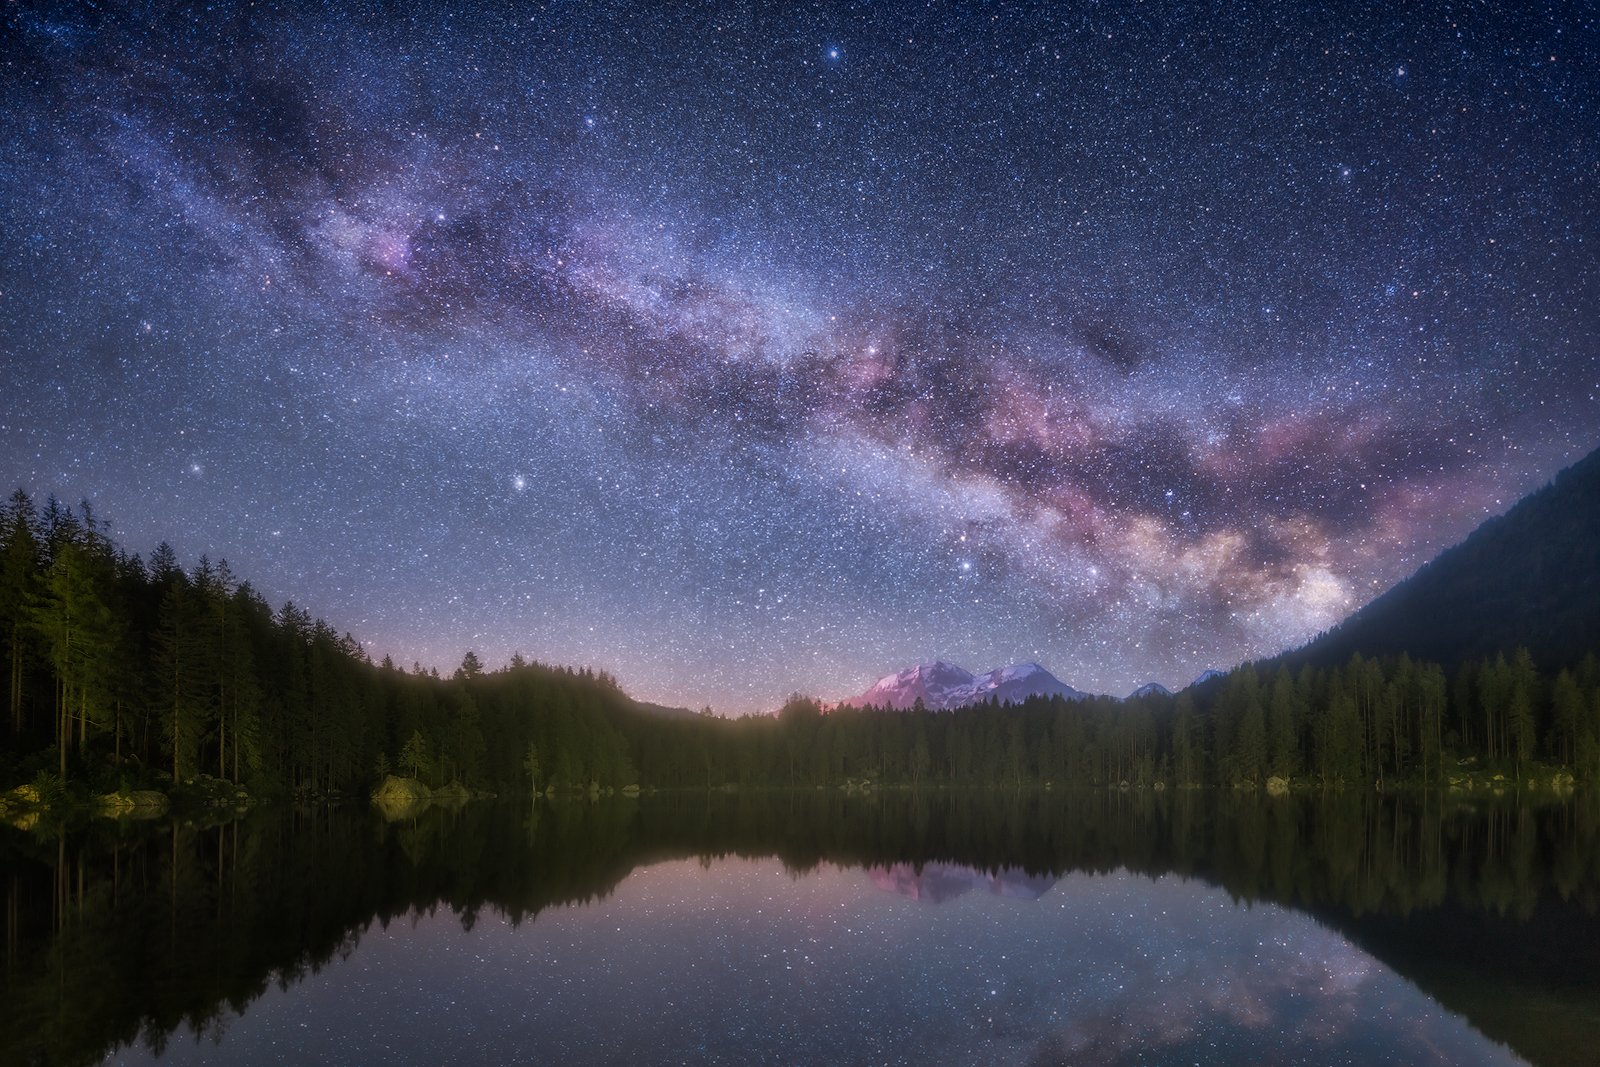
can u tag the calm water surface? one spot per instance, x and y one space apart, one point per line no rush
1095 929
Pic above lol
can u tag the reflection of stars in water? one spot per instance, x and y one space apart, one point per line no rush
782 303
741 961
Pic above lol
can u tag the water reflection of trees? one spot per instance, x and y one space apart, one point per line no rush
124 933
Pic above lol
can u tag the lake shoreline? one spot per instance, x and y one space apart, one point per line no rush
213 800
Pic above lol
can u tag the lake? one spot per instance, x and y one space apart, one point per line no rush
1076 927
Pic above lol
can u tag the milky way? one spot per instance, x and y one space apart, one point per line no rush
742 350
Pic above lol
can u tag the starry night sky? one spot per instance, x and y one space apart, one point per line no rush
740 350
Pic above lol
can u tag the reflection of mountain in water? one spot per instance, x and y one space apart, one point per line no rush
935 883
122 933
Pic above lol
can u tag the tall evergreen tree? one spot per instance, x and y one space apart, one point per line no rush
19 575
1284 717
77 627
180 648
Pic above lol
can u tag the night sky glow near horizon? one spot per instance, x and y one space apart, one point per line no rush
739 350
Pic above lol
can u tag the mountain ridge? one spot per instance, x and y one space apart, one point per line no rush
1529 577
944 686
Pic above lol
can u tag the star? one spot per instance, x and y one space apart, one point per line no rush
980 310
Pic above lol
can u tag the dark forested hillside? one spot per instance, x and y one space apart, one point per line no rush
1529 578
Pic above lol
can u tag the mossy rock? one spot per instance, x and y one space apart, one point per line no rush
401 798
24 796
397 788
1277 787
134 804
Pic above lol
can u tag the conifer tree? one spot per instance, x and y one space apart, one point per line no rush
1284 726
77 628
414 758
19 575
180 675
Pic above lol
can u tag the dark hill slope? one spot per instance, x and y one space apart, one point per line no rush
1530 577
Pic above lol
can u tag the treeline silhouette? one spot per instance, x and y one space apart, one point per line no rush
124 672
138 933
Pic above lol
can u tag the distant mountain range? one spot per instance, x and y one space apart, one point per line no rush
944 686
1530 578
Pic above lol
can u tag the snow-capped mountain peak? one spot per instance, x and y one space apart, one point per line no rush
1002 675
935 682
1150 689
942 686
1206 676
